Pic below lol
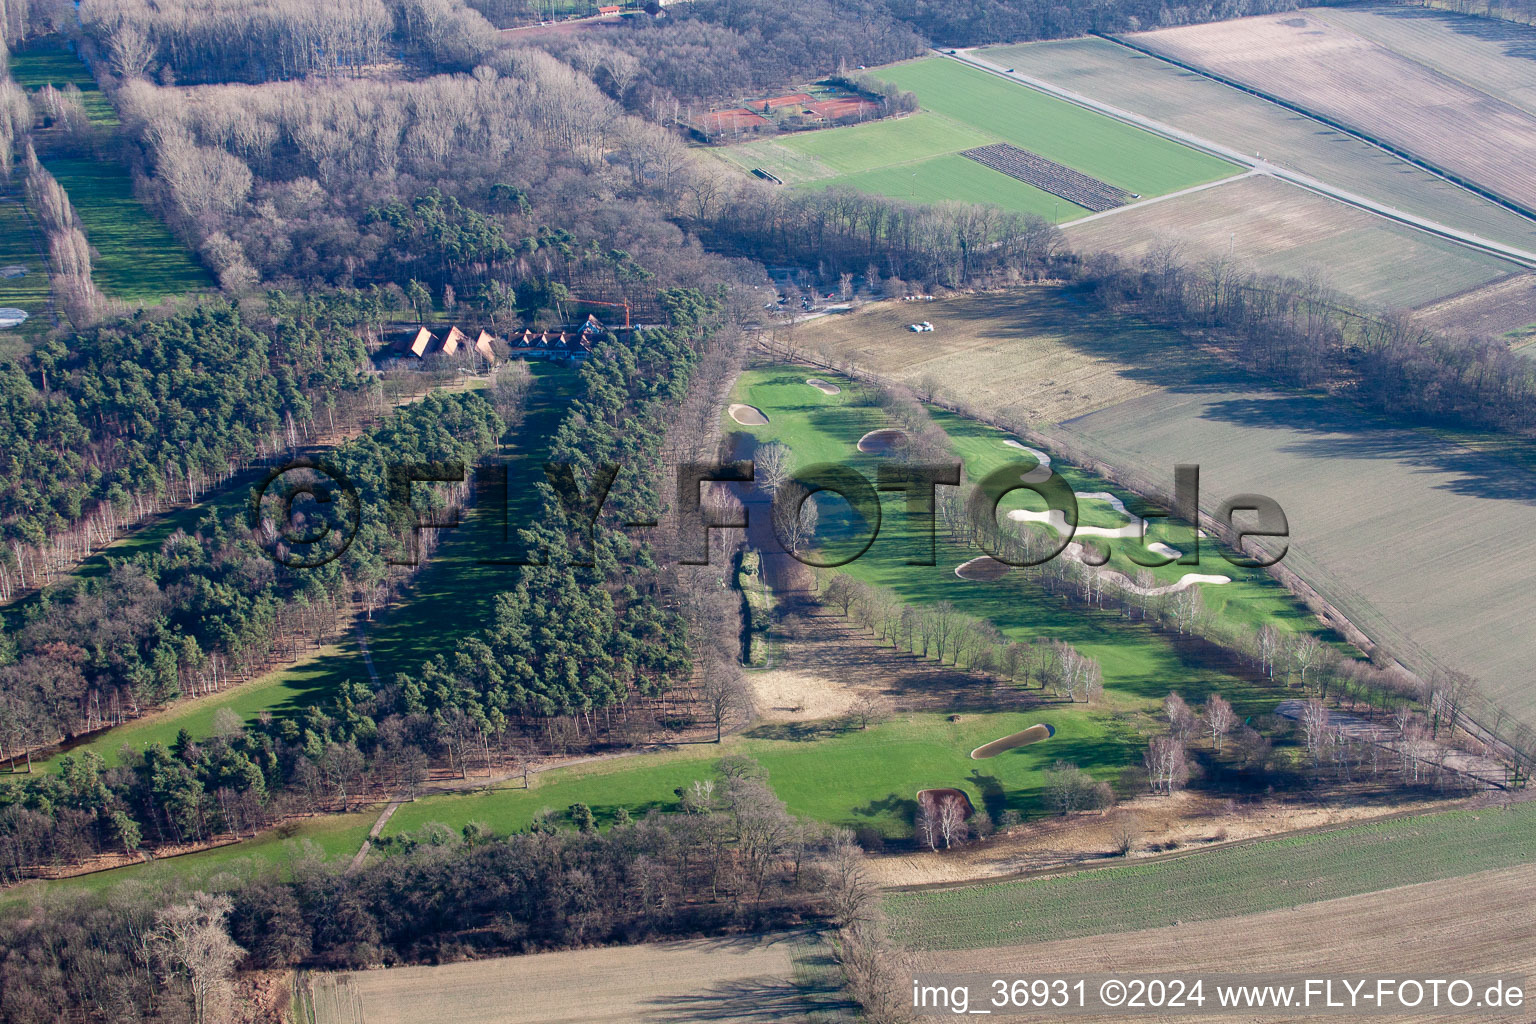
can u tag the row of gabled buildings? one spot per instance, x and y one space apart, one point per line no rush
573 343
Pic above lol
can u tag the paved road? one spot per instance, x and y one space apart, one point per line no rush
1515 255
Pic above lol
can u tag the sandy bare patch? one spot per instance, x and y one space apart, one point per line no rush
881 442
983 570
1023 738
800 695
748 415
824 387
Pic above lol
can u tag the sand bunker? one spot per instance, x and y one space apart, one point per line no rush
1034 734
927 797
881 442
748 415
1157 547
12 317
1042 470
823 386
10 272
1074 551
984 569
1058 521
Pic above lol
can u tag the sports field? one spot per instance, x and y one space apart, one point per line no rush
1251 878
1153 88
1273 227
19 249
918 157
1329 70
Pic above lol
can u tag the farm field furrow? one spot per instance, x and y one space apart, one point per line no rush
1474 924
1423 543
1331 71
1492 56
1500 308
954 178
1277 228
730 980
1256 877
1144 85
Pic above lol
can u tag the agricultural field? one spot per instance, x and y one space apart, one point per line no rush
1491 56
918 157
1330 71
1033 354
786 976
1274 227
450 597
1134 82
1459 926
1506 307
1250 878
1417 574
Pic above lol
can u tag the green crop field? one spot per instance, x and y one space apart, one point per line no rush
855 778
452 596
139 259
918 157
1245 879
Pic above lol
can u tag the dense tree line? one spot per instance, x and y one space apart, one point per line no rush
1299 332
122 419
211 606
729 858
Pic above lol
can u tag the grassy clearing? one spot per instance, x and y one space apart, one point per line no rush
139 260
1261 876
954 177
51 61
19 244
1154 88
333 838
451 597
858 778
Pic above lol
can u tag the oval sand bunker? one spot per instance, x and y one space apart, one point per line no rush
823 386
12 317
748 415
983 570
1034 734
881 442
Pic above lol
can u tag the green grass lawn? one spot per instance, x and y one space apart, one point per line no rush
19 248
139 260
451 597
51 61
335 838
856 778
1247 879
963 108
1140 664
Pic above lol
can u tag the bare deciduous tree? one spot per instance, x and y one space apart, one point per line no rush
1219 719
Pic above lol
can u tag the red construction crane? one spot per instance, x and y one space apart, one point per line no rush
594 302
